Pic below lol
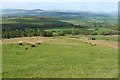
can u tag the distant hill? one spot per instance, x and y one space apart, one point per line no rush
36 10
58 14
11 12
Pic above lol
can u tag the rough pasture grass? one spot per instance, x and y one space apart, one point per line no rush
9 21
101 30
36 21
53 60
108 38
58 29
76 22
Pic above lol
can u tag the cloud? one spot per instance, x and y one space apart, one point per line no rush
59 0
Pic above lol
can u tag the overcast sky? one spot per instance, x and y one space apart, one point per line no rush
59 0
80 5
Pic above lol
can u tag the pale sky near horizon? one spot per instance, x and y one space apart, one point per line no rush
59 0
81 5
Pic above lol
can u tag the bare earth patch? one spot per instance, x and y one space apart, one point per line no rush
112 44
55 40
23 39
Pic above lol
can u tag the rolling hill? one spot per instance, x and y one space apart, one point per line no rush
58 14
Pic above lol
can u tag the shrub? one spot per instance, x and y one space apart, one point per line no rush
94 33
96 28
55 34
26 48
107 39
61 33
93 38
48 34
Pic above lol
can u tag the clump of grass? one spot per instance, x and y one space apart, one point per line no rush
107 39
87 42
26 48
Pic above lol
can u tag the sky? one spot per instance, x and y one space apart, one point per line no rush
59 0
77 5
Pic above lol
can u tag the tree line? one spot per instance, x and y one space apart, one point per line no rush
51 33
23 29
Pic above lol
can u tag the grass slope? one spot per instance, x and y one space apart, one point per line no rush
59 57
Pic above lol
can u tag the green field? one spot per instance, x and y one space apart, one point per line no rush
75 22
64 51
29 20
107 38
48 26
59 57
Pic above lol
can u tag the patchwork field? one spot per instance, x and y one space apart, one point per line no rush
59 42
60 57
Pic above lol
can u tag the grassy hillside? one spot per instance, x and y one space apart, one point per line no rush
59 57
32 22
53 44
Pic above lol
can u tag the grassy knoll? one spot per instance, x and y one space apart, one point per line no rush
59 57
